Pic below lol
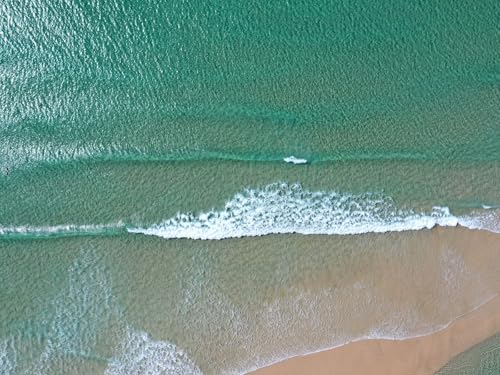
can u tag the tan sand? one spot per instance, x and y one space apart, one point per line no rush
422 355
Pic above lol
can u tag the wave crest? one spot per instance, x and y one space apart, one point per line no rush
27 231
289 208
282 208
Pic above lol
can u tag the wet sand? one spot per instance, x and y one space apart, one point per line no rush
421 355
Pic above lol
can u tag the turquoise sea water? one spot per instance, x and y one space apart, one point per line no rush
173 118
178 80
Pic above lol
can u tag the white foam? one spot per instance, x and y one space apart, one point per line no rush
284 208
54 230
86 319
142 356
7 358
488 207
489 221
292 159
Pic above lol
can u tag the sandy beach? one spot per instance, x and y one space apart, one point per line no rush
420 355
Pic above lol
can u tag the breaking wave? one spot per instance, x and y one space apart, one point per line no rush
278 209
288 208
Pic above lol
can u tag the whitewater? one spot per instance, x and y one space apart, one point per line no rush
281 208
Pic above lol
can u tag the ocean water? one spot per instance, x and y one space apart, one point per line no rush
161 162
481 359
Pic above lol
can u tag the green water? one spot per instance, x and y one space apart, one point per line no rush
118 115
181 80
132 111
481 359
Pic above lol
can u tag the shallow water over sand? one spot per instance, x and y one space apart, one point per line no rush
252 301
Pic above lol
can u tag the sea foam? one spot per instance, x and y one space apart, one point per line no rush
140 355
282 208
85 323
292 159
60 230
289 208
7 358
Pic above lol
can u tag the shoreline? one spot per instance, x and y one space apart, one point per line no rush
422 354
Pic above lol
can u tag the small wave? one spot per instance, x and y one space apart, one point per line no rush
27 231
278 209
284 208
17 155
489 206
292 159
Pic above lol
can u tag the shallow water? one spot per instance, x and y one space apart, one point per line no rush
132 304
481 359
